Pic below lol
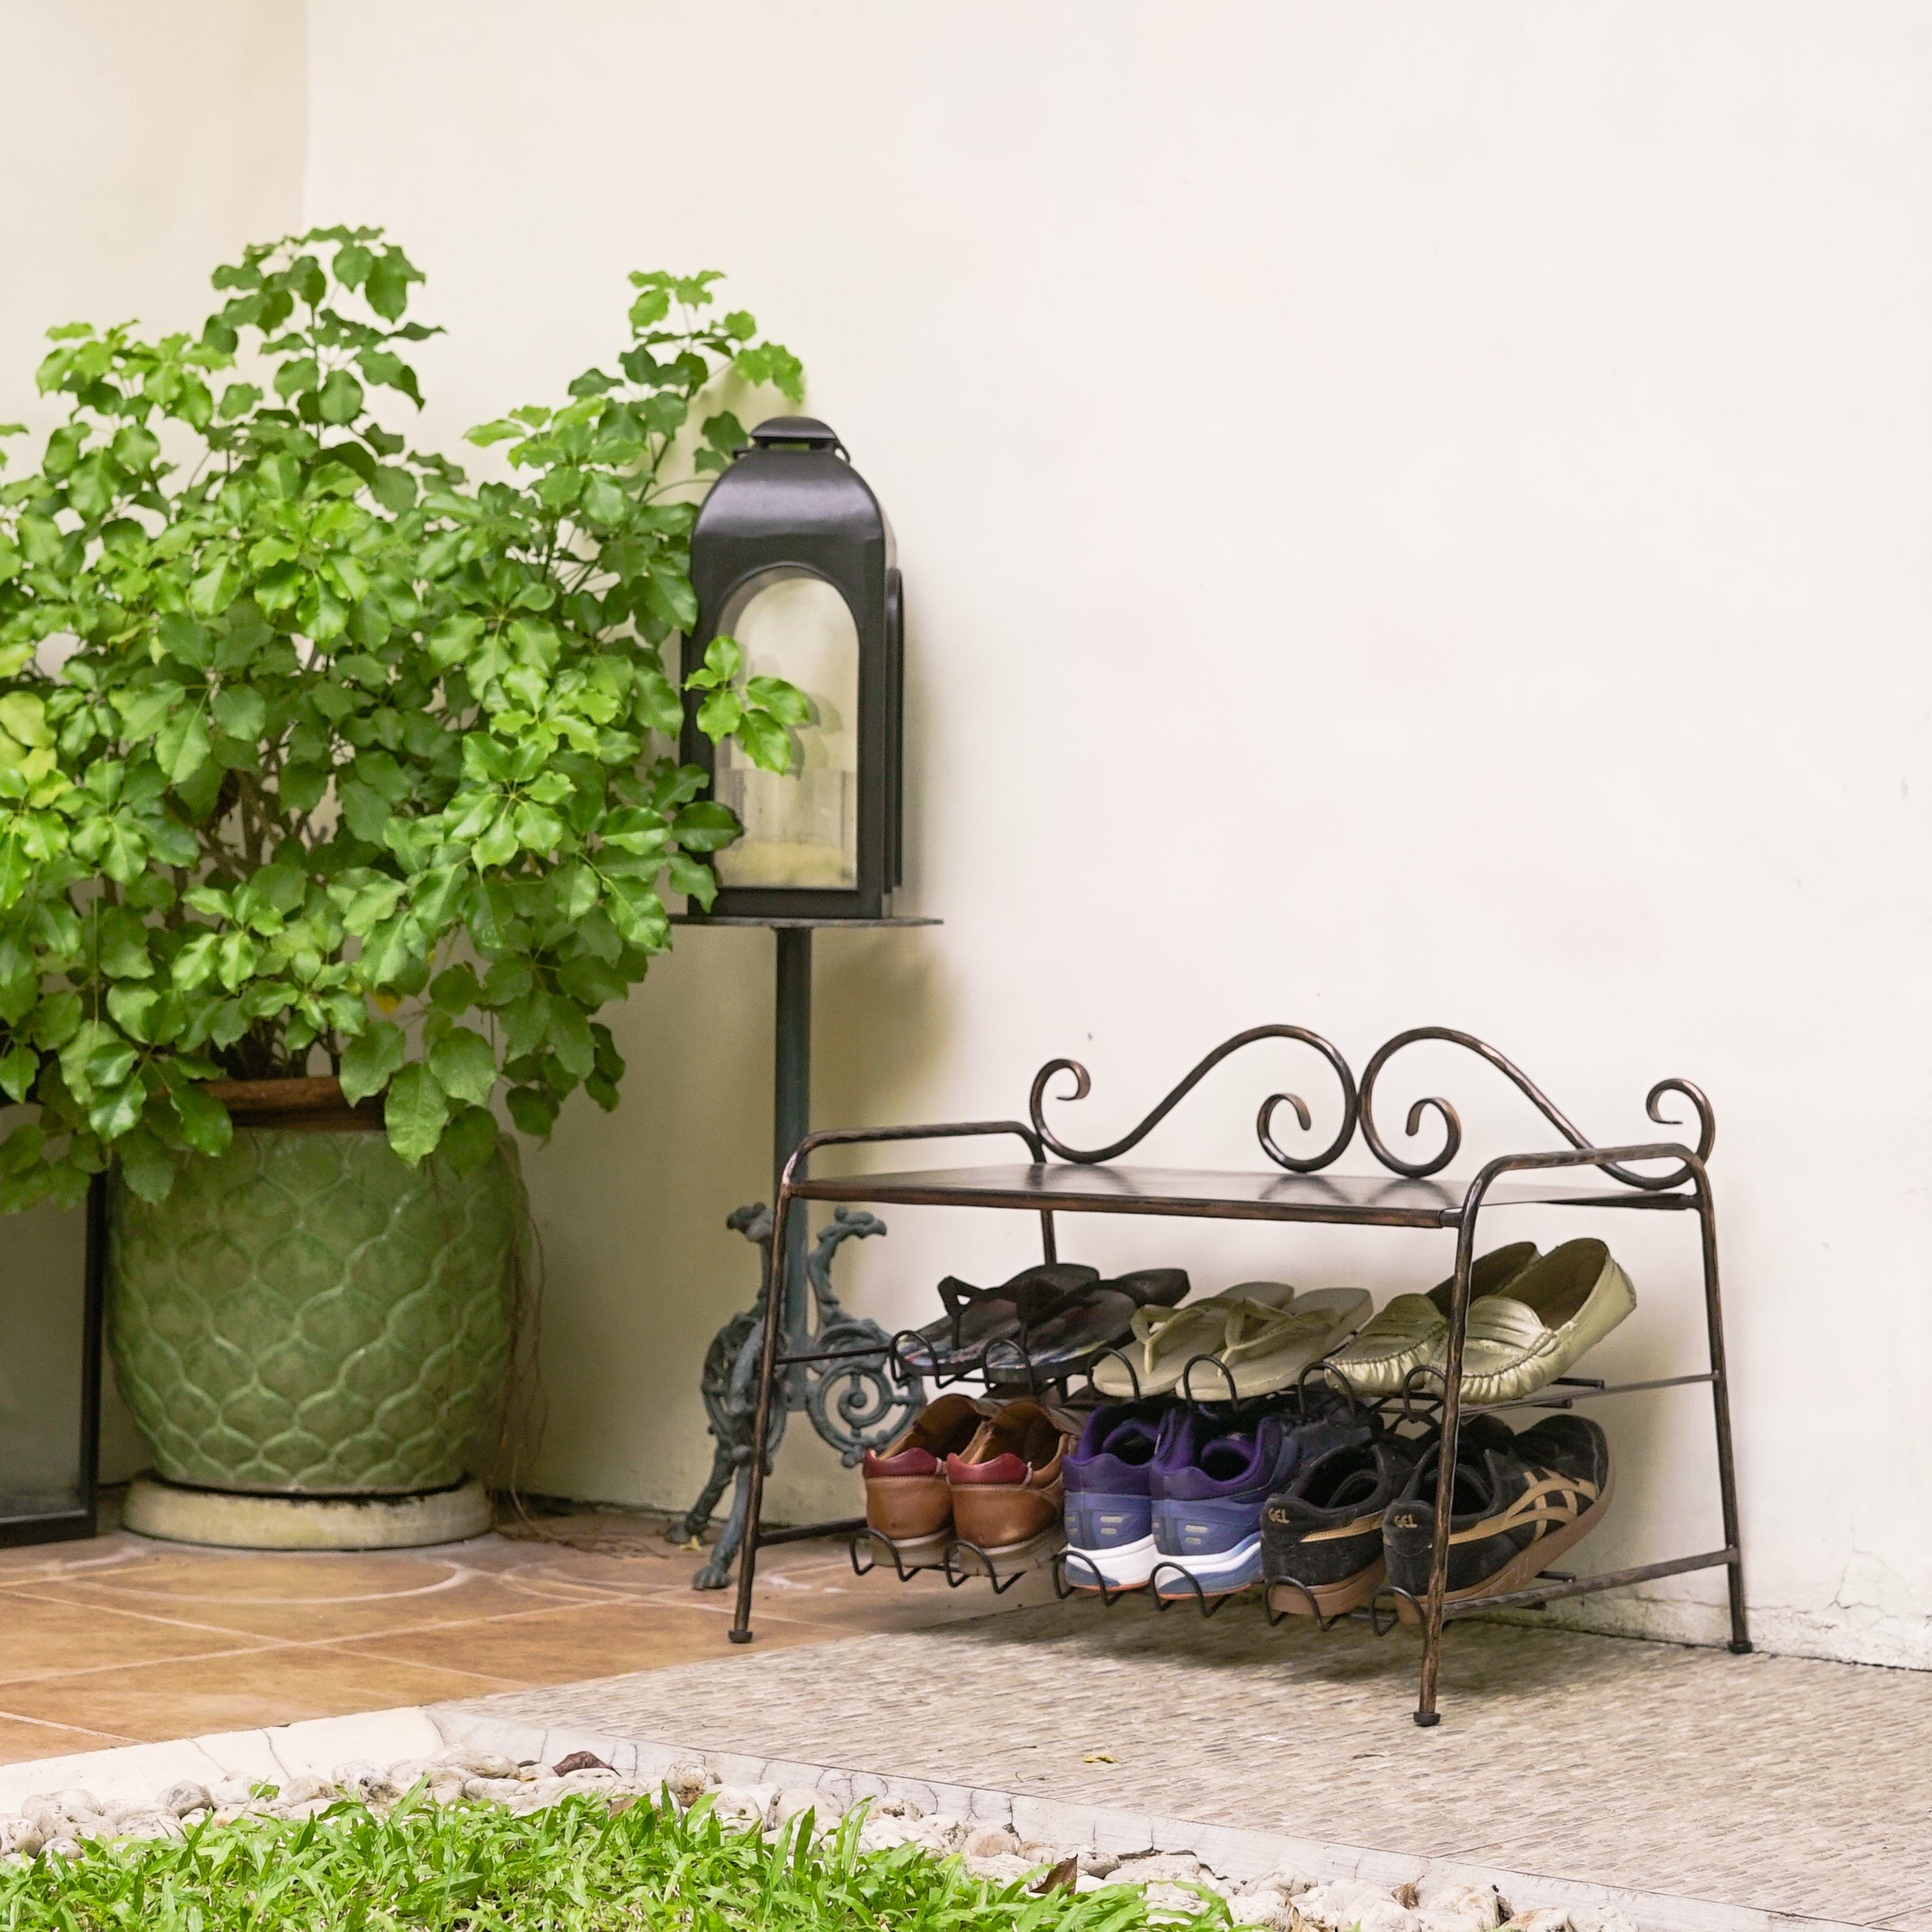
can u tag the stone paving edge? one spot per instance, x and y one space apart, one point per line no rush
1240 1853
318 1745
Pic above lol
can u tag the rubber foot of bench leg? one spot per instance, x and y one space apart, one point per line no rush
1741 1647
740 1636
1428 1719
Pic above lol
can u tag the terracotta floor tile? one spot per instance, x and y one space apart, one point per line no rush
312 1610
275 1685
558 1647
53 1638
20 1741
168 1570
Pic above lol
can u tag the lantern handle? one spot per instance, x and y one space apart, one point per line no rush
805 431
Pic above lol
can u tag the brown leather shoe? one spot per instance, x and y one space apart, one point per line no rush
1007 1498
908 1502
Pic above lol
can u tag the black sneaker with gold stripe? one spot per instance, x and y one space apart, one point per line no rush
1518 1506
1321 1537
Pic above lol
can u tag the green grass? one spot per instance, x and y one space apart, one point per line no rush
474 1868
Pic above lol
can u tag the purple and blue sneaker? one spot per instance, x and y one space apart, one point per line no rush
1110 1507
1210 1481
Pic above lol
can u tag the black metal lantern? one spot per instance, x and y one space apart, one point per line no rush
792 555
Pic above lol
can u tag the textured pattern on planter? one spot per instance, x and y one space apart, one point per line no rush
306 1314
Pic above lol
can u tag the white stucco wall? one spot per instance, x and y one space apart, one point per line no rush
1410 514
139 146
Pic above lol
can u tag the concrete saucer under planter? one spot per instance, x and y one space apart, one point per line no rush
313 1338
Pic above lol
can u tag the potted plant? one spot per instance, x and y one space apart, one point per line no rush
332 810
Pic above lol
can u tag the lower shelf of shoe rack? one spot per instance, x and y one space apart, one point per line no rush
965 1562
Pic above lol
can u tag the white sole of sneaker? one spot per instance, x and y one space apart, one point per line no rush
1217 1573
1123 1567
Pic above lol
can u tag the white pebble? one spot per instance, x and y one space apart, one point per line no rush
689 1782
152 1824
500 1791
1598 1918
1160 1866
1344 1904
186 1797
742 1807
990 1841
789 1804
21 1835
999 1868
888 1834
1462 1909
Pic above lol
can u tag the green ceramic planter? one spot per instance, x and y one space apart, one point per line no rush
305 1315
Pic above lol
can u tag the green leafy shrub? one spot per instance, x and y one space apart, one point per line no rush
573 1866
312 750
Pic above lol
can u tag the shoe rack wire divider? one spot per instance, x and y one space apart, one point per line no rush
1405 1194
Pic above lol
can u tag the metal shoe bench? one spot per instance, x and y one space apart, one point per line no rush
1406 1195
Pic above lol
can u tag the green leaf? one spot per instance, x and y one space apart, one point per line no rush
240 712
370 1059
415 1113
767 743
705 826
181 746
25 718
658 706
195 963
570 1040
183 638
604 502
294 377
145 1165
341 398
18 1070
215 588
695 881
719 715
470 1138
365 811
723 657
387 284
454 989
205 1124
785 702
117 1113
145 710
130 1007
534 1111
465 1065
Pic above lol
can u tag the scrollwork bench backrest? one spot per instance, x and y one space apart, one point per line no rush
1358 1109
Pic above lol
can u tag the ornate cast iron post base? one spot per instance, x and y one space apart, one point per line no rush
855 1405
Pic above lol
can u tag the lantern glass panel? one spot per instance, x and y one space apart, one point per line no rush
801 828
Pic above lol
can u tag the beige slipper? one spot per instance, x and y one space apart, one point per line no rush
1409 1331
1552 1314
1264 1348
1164 1340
